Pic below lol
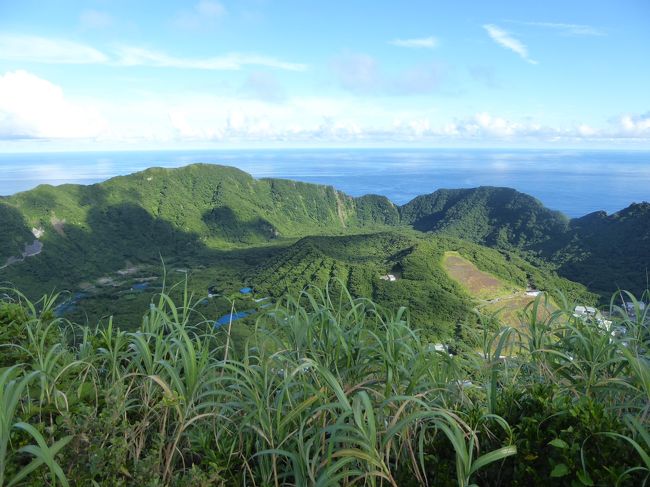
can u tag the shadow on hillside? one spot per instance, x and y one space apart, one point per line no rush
223 222
116 234
14 232
427 214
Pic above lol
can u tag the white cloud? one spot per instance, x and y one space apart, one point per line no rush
31 107
486 126
566 29
635 125
417 127
186 131
317 119
504 39
138 56
422 42
45 50
60 51
497 126
585 130
329 120
212 118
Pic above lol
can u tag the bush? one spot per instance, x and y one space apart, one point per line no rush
325 389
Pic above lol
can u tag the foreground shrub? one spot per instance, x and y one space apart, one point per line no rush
324 390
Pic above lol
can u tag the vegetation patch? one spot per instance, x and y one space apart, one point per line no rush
325 390
510 309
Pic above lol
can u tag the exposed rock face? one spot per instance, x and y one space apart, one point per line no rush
30 250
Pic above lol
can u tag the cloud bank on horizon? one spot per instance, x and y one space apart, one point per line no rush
257 73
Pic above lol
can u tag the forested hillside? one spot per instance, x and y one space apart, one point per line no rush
604 252
218 223
436 302
182 215
491 216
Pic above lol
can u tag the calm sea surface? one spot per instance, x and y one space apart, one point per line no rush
574 182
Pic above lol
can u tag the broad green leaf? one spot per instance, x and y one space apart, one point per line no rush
584 477
560 470
559 443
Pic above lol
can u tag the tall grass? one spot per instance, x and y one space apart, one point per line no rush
326 390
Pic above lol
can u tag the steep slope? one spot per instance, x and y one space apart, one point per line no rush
15 233
179 214
215 202
488 215
606 252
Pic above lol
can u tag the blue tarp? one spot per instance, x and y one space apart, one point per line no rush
69 305
246 290
225 319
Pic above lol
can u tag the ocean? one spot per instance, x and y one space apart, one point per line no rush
574 182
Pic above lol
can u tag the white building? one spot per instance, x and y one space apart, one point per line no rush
388 277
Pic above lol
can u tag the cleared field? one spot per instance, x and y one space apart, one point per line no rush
479 284
509 309
493 294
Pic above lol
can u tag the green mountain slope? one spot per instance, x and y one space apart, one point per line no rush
199 215
603 252
182 214
606 252
216 203
436 302
492 216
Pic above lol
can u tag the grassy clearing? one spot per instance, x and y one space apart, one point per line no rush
479 283
508 310
497 298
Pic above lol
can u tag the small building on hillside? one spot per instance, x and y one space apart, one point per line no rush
389 277
589 312
579 311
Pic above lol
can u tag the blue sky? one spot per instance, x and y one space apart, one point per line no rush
86 75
